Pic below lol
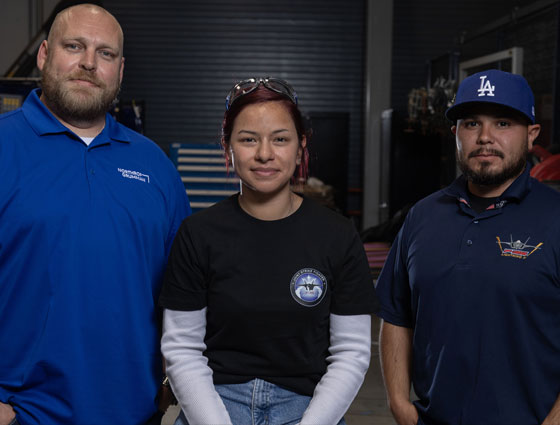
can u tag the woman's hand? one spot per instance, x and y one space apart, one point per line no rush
166 398
7 414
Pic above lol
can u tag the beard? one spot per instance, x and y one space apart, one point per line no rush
484 176
77 103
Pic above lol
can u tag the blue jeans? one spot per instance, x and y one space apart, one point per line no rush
258 402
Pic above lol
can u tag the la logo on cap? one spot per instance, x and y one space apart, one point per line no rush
486 89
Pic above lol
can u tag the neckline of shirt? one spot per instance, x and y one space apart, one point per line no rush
293 216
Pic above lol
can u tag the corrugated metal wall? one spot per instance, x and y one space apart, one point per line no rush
183 56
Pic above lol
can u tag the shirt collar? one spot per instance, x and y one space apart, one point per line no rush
515 192
43 122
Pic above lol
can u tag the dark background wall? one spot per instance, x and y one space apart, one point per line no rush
536 31
430 28
182 57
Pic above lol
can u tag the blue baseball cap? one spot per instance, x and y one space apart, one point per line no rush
493 86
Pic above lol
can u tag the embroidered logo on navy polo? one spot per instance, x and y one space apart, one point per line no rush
486 89
517 249
308 287
129 174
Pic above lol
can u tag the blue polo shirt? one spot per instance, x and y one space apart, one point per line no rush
482 295
84 236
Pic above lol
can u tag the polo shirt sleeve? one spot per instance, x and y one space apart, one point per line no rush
353 289
392 287
179 208
184 283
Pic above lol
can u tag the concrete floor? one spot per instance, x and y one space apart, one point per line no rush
369 407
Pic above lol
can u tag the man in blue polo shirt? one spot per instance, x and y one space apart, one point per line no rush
88 211
470 293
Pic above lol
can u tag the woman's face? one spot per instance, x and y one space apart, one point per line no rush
265 148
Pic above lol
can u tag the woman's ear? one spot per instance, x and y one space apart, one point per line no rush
302 145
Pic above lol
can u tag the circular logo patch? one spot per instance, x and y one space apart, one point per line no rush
308 287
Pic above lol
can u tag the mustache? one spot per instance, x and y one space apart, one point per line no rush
486 151
81 75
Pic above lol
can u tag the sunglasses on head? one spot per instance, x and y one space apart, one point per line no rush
247 86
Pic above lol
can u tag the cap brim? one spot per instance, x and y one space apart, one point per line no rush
456 112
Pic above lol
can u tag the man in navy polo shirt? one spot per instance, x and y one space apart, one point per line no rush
88 211
470 293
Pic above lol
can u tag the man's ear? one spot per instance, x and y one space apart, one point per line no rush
42 55
121 72
532 133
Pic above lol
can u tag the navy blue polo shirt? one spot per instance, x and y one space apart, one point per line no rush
84 236
482 295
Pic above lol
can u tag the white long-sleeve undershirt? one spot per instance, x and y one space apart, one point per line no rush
191 379
182 345
350 351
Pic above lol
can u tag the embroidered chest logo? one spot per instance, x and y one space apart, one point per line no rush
129 174
308 287
486 89
517 249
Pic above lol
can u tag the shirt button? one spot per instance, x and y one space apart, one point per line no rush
469 242
476 222
92 171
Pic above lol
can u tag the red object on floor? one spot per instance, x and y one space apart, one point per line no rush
549 167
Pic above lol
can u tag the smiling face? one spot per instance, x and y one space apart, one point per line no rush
81 64
492 145
265 148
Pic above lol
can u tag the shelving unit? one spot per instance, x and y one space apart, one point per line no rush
204 173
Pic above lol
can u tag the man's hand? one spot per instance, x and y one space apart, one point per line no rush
553 417
404 413
7 414
551 421
395 345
